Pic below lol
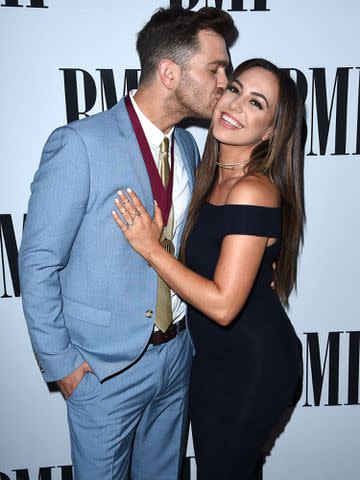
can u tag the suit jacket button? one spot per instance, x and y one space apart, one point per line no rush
149 313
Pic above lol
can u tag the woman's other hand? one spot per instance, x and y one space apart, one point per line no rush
140 230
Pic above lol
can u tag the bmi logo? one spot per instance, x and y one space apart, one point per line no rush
65 472
231 6
342 349
29 4
333 129
83 89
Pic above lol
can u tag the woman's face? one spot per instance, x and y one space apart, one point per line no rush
245 113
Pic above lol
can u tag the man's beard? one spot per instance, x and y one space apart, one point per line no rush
190 100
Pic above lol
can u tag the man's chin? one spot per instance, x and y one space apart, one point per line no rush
198 117
205 114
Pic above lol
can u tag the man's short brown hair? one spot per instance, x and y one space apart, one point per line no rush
172 33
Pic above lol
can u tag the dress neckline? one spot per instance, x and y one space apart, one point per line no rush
240 205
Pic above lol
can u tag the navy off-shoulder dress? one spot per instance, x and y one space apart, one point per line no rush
246 374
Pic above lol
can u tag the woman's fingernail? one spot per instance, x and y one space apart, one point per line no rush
117 200
155 202
120 192
129 190
113 212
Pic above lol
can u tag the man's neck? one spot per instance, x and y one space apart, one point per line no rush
159 110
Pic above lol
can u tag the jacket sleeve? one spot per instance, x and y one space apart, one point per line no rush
59 195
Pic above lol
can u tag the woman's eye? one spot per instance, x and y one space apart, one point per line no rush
213 71
256 104
233 89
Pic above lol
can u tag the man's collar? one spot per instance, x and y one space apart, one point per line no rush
153 134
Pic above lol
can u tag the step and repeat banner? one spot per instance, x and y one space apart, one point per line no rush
62 60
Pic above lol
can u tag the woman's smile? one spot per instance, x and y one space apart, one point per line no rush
227 121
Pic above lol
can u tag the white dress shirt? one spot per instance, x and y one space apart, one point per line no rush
181 191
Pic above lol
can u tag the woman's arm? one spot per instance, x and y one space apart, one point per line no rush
220 299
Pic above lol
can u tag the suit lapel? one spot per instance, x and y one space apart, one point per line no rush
133 154
188 162
132 150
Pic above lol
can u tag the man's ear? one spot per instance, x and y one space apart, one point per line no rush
168 73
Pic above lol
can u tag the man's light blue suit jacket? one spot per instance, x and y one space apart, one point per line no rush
87 295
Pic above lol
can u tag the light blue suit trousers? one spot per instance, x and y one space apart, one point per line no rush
134 422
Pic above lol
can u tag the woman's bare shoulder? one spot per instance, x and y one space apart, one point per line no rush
254 190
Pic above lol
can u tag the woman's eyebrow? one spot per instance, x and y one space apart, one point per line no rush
257 94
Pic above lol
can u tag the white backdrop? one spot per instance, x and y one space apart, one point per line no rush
316 37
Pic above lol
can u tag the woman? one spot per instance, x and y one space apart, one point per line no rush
246 211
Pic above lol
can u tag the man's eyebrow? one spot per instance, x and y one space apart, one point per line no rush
221 63
257 94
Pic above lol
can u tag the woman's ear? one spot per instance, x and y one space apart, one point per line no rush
268 134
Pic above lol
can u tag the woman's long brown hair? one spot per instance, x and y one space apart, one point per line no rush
281 159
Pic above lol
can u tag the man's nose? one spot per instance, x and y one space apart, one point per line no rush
222 79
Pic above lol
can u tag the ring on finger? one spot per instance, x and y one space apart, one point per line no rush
135 213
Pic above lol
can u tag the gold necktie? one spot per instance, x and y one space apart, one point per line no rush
164 167
163 303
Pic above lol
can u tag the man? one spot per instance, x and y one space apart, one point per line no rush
92 305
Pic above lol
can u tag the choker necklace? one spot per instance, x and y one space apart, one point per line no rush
230 166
